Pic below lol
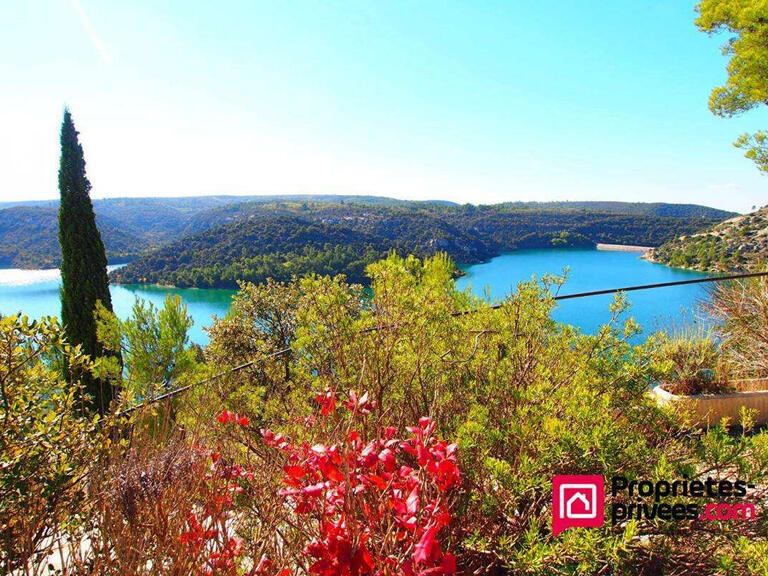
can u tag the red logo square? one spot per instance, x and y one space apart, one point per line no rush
577 501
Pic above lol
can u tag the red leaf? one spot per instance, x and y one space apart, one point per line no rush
327 402
297 472
423 549
378 481
449 563
314 490
263 565
225 416
387 457
412 503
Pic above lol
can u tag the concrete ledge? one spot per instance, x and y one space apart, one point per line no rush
623 248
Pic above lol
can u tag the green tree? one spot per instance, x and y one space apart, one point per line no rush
154 345
747 83
83 261
260 323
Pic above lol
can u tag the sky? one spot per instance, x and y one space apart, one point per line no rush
479 102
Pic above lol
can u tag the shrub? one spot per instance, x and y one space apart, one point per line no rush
161 509
45 441
369 505
690 364
741 309
154 345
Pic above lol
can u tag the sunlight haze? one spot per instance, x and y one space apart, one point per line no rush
482 102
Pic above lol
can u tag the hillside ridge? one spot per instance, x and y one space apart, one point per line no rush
133 227
255 241
734 245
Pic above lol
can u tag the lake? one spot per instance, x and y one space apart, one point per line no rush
36 292
659 309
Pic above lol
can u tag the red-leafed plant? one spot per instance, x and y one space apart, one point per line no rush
167 510
373 505
210 533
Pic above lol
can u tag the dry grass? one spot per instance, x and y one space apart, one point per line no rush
741 310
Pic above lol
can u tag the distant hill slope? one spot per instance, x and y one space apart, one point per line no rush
29 238
131 226
638 208
197 203
256 249
256 240
228 212
737 244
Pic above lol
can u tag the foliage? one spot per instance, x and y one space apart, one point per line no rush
154 345
368 505
45 442
746 22
756 148
163 508
690 363
524 397
741 309
83 262
260 323
321 490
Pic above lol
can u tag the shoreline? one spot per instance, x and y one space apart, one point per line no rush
623 248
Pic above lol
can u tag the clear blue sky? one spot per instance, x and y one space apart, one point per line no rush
467 101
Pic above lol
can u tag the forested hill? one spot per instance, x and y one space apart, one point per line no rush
638 208
254 241
129 226
29 238
134 226
737 244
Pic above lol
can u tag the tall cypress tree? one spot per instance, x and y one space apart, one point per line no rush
83 261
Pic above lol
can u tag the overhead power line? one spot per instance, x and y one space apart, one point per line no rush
634 288
182 389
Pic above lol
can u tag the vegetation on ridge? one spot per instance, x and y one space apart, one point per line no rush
257 241
133 226
29 239
738 244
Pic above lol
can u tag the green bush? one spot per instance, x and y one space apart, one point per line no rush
46 442
690 364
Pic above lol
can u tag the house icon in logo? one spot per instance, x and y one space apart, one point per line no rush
577 501
579 505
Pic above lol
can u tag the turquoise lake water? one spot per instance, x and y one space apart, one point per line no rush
660 309
36 292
